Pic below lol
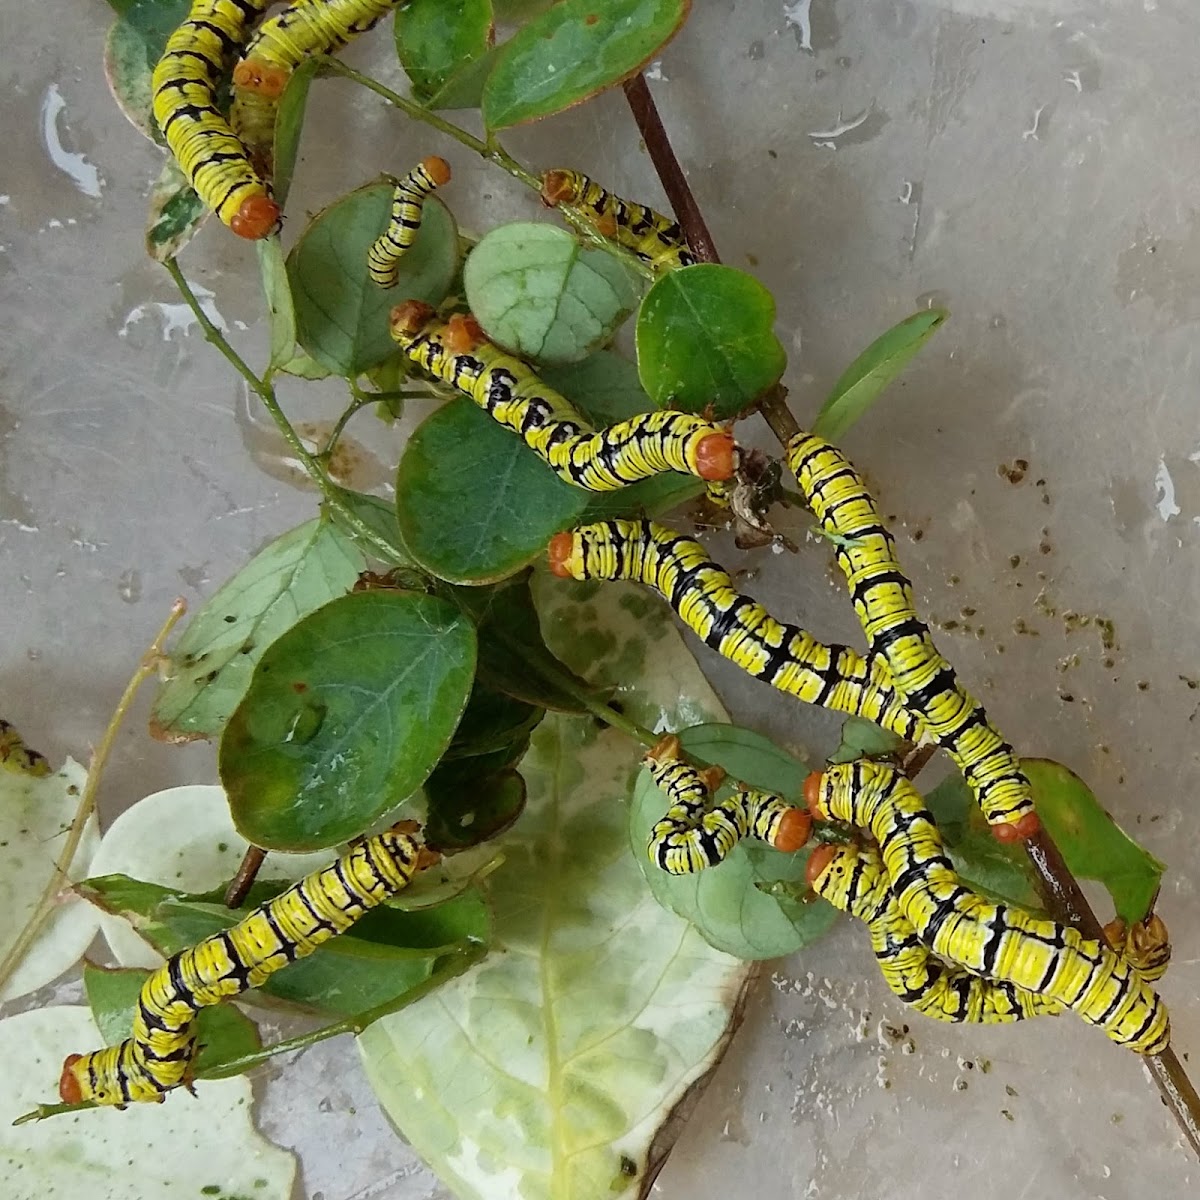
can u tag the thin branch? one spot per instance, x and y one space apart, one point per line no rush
87 800
1061 891
241 883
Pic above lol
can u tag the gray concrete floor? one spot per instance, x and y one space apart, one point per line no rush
1029 164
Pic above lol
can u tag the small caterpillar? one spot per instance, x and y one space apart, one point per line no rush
507 389
736 626
1146 944
408 201
158 1057
996 941
184 82
853 879
693 836
883 599
16 756
304 29
655 239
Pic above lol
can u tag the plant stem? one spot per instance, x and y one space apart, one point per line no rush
241 883
87 799
1061 891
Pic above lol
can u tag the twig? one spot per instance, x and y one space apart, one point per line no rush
1061 891
87 800
241 883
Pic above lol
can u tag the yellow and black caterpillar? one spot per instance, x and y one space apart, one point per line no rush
408 203
996 941
185 80
305 28
693 836
883 599
458 353
853 879
158 1057
736 626
16 756
655 239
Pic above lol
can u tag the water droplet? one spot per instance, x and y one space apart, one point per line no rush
305 723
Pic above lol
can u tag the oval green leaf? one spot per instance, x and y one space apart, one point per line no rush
573 51
537 292
210 666
345 716
724 902
134 43
467 808
866 377
474 503
341 316
289 121
278 293
705 337
464 89
437 39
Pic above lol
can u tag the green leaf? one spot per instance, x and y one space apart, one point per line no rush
436 39
346 715
464 89
604 386
175 213
211 664
491 721
468 806
704 337
646 498
134 43
536 291
112 994
289 122
864 739
871 372
179 1148
341 316
475 504
379 516
574 50
1092 843
279 300
723 902
304 366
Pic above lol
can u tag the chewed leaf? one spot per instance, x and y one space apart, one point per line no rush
207 1140
871 372
35 814
1092 843
182 838
346 715
437 40
135 42
212 662
175 213
537 292
723 902
574 50
705 337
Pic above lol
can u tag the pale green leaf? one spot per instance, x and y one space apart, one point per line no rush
279 301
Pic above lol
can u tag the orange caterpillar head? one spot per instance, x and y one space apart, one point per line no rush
69 1090
262 78
463 334
812 795
258 217
558 187
795 828
716 456
818 862
437 168
1017 831
409 318
559 552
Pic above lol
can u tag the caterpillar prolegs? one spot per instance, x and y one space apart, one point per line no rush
158 1057
408 202
508 390
996 941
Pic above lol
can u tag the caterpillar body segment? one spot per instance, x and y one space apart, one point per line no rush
509 391
694 835
158 1056
1146 944
736 626
853 879
655 239
883 599
997 941
16 756
184 84
408 202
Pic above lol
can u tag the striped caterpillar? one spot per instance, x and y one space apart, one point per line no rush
458 353
693 836
736 626
853 879
16 756
655 239
996 941
304 29
408 202
883 599
158 1057
185 81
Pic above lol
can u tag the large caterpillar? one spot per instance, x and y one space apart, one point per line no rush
736 626
693 836
655 239
997 941
16 756
158 1057
883 599
408 203
507 389
853 879
185 80
305 28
